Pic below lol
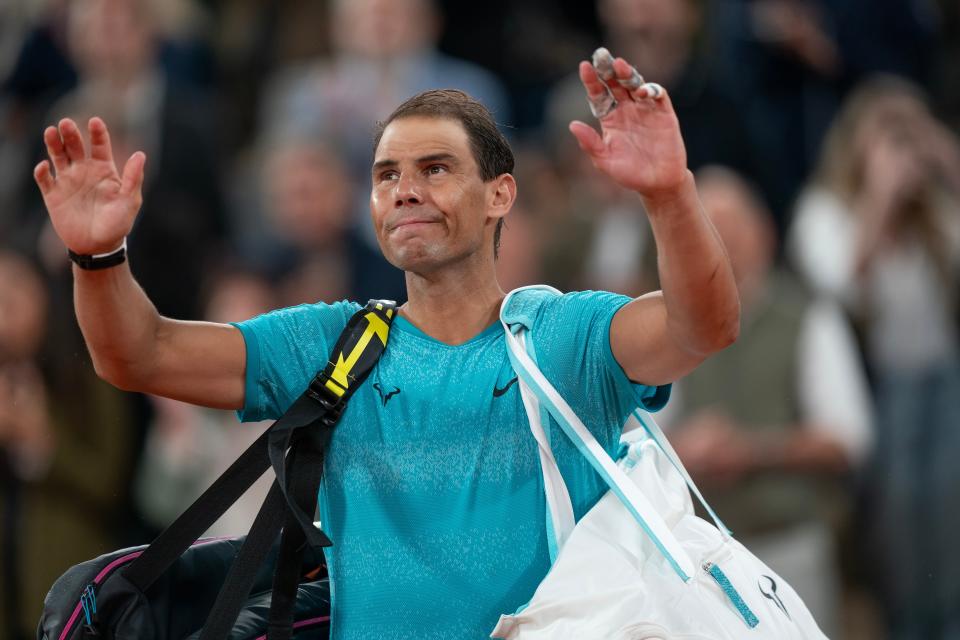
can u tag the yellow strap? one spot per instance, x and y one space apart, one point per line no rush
340 378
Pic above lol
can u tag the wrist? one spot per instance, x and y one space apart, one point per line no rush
105 260
668 197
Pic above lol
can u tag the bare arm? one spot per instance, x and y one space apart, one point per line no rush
92 208
659 337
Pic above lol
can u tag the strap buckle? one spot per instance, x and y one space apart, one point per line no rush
321 393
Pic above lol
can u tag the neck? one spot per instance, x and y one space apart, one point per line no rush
455 303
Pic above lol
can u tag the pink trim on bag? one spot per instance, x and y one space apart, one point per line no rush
110 567
301 624
100 576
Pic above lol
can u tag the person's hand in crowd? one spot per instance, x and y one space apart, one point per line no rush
939 148
796 28
640 145
91 205
893 173
713 448
25 430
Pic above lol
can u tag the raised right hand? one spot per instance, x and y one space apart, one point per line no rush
92 207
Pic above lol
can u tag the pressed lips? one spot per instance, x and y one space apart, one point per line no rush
413 220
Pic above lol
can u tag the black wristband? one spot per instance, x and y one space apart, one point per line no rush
102 261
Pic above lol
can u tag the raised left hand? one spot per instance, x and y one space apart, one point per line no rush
640 147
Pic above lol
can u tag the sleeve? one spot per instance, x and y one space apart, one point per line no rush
573 348
833 393
285 349
821 246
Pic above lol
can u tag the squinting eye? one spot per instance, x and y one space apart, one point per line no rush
436 169
389 175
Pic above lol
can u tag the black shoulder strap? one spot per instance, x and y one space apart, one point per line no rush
353 357
357 350
350 363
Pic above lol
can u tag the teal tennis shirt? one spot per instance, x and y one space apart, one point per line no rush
432 491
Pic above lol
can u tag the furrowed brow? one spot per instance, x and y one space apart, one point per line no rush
437 157
383 164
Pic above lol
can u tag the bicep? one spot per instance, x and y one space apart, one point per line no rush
201 363
643 345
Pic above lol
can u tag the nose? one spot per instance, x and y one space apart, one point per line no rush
407 191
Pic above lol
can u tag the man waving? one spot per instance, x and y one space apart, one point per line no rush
432 491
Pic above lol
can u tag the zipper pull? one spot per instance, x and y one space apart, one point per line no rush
89 603
715 572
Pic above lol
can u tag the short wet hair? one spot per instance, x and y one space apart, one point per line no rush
490 148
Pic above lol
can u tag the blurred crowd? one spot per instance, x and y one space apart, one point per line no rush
824 137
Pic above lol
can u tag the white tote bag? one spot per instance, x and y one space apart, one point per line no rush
639 565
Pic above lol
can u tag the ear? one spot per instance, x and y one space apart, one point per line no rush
502 195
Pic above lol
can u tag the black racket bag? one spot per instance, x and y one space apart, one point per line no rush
177 604
270 584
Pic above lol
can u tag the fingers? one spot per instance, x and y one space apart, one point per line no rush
72 141
55 149
629 79
587 137
627 75
100 148
606 69
132 179
653 91
603 62
622 73
610 81
598 95
591 81
43 176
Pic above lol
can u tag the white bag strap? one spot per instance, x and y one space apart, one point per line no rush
656 434
625 489
560 520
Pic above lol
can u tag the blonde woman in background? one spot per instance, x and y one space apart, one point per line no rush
879 230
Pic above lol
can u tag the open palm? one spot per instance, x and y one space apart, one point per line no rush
92 207
640 147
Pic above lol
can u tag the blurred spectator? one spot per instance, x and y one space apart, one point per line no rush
784 59
26 437
605 240
792 60
663 39
599 237
769 426
115 44
65 443
303 235
252 39
34 73
530 45
946 82
24 420
384 51
878 229
188 446
42 69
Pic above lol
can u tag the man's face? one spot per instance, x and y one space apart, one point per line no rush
430 206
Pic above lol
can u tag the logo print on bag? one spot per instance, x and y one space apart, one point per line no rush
768 587
385 397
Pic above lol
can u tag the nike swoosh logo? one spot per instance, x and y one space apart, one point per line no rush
499 392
